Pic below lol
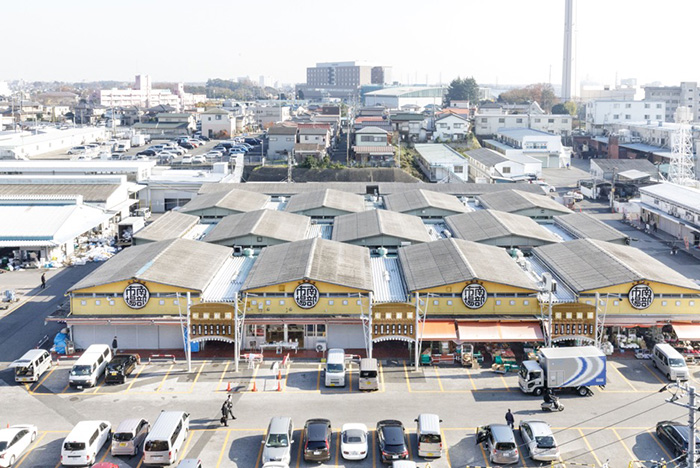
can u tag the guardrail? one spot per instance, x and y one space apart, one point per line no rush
159 357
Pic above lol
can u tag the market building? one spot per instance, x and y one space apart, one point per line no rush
501 229
424 203
585 226
673 209
379 228
326 203
259 229
538 207
212 207
172 225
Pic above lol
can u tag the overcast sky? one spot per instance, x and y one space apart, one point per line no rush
496 41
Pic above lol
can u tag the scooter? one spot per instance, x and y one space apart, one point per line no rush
553 405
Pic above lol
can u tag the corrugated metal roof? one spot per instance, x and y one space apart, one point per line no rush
487 156
420 199
583 225
440 154
485 225
436 230
90 192
512 200
181 263
229 280
686 197
387 278
563 292
374 149
313 259
372 223
278 225
233 200
324 231
327 198
588 264
450 261
171 225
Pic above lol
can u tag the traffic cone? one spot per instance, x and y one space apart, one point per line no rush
255 388
279 375
228 387
279 386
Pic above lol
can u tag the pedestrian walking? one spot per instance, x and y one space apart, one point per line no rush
510 419
43 280
224 415
115 345
227 408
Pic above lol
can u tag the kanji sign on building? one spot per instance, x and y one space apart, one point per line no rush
136 295
306 295
474 296
640 296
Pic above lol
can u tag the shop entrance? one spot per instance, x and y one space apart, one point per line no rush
392 349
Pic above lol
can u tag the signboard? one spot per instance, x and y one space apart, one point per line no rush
136 295
640 296
474 296
306 295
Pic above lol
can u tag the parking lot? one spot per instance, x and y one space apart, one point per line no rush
617 423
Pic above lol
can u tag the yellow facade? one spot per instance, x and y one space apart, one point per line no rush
667 300
108 299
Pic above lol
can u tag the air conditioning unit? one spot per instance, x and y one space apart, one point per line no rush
321 347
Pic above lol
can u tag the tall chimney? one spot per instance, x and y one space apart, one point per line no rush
568 39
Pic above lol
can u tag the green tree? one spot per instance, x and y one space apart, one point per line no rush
462 89
568 107
542 93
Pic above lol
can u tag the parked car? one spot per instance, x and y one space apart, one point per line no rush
78 150
253 141
277 446
120 367
146 152
199 160
14 441
187 145
187 160
105 465
499 443
353 441
317 443
190 463
238 149
676 436
391 439
129 436
214 155
540 442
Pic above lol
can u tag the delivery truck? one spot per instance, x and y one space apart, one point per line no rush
575 368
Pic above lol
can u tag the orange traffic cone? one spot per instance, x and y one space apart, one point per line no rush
279 375
279 386
228 387
255 388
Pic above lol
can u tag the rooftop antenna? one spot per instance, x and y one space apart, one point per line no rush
681 170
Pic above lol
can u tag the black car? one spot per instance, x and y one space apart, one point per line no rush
391 438
317 443
120 367
253 141
676 436
186 145
146 152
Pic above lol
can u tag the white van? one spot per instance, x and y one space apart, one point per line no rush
84 442
335 368
670 362
369 374
29 367
165 440
429 435
90 366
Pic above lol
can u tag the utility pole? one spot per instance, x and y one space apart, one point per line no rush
692 408
612 189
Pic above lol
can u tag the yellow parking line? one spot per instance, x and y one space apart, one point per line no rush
410 452
164 378
651 371
98 384
337 447
187 445
104 456
656 439
590 449
447 450
318 379
140 462
196 378
471 379
623 377
486 460
36 443
405 373
134 378
57 465
255 375
374 445
522 458
299 447
258 459
64 388
381 375
629 452
31 392
223 374
505 384
350 378
437 374
223 448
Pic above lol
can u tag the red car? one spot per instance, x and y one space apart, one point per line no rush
105 465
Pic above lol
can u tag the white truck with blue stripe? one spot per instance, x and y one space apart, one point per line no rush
575 368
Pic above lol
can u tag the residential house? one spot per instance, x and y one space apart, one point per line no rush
328 114
489 166
408 124
281 140
168 124
490 118
372 147
451 127
600 115
542 146
440 163
218 123
319 135
372 121
266 116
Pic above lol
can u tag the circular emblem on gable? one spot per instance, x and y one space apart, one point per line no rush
136 295
474 296
640 296
306 295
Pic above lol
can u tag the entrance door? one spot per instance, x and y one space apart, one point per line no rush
274 333
296 333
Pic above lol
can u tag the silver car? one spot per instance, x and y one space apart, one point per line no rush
538 437
499 442
129 436
277 446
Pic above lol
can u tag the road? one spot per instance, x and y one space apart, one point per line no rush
24 327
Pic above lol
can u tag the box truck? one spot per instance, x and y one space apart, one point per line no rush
138 140
575 368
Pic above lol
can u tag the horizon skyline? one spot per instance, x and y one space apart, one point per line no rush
531 53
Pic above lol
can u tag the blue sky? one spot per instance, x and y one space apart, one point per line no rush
508 41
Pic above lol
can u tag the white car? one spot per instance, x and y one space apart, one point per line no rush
199 160
187 160
78 150
540 442
545 186
14 441
353 441
213 154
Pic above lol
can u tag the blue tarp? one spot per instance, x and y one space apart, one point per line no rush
59 343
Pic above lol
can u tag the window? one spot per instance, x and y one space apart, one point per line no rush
658 117
273 138
218 117
628 117
501 120
616 116
646 105
564 120
459 169
506 170
646 117
658 106
457 125
484 120
519 121
616 106
628 105
537 120
442 125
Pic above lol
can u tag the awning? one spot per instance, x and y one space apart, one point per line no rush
631 321
499 331
442 330
687 331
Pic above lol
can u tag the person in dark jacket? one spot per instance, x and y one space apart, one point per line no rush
510 419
